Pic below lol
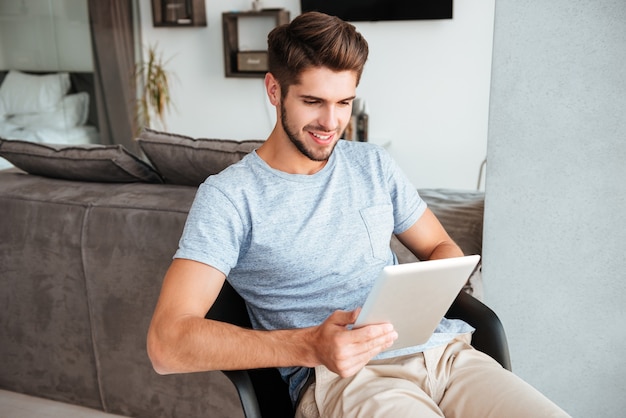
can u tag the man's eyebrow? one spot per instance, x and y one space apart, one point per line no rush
309 97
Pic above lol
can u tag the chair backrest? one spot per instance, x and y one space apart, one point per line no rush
263 393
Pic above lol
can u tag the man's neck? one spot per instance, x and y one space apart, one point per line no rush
281 154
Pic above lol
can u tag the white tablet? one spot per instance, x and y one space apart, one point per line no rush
414 297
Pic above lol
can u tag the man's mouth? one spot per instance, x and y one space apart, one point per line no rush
322 139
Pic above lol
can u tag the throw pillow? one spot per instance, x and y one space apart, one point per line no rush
29 93
98 163
184 160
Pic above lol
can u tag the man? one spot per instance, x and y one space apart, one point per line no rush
301 228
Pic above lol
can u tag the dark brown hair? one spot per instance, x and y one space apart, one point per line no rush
311 40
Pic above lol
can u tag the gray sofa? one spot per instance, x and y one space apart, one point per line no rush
81 264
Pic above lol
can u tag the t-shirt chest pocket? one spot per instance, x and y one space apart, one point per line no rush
378 222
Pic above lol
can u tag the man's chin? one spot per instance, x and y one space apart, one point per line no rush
320 154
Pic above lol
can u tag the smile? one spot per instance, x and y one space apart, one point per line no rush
322 139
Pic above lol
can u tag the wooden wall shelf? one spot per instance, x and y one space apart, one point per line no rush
230 27
178 13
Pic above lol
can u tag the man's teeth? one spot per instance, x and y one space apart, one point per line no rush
322 137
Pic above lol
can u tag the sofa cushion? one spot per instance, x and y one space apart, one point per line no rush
189 161
101 163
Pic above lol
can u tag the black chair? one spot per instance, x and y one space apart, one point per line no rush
263 393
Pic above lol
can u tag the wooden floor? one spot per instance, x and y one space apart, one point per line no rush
17 405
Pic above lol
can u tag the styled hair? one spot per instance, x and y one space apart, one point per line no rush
314 40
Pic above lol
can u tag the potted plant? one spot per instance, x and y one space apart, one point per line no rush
153 93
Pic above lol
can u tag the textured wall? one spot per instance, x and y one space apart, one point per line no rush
555 230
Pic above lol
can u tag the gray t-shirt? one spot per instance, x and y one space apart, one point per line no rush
299 247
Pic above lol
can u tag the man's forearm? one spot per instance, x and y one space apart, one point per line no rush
197 344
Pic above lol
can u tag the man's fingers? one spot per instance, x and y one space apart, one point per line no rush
365 343
343 318
362 352
345 351
374 334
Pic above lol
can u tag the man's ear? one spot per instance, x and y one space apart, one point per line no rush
273 89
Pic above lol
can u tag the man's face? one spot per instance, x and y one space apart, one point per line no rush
316 111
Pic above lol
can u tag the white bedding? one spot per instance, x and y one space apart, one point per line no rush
39 109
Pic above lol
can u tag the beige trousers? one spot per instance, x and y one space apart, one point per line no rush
448 381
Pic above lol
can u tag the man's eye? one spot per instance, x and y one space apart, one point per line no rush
310 102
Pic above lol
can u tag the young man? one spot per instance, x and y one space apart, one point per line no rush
301 228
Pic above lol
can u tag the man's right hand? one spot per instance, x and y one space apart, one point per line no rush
181 340
346 351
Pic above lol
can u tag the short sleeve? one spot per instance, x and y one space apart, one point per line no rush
214 230
408 206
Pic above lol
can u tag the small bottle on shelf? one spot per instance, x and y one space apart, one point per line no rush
362 122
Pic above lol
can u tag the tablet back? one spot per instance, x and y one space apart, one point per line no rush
414 297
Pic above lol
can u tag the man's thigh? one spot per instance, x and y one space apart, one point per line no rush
452 381
477 386
391 389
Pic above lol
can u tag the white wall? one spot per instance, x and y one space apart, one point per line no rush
426 85
555 235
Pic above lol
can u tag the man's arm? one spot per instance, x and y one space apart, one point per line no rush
428 240
181 340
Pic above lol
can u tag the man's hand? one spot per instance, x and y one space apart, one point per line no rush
181 340
345 351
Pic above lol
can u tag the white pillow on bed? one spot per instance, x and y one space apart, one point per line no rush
78 135
7 129
71 111
28 93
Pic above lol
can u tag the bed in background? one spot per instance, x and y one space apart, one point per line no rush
52 108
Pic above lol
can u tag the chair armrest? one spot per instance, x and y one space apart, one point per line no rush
489 336
245 390
262 393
